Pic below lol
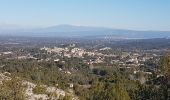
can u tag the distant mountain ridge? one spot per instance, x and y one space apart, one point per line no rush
83 31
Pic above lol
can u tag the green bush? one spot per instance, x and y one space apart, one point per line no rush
12 89
39 89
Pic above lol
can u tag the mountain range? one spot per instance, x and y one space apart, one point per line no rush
81 31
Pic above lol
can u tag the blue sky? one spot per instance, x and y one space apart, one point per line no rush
123 14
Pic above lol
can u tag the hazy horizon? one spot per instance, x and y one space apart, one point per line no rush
16 27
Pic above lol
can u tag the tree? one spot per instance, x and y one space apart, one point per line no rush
165 69
165 65
108 91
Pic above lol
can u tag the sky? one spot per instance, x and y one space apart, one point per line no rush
122 14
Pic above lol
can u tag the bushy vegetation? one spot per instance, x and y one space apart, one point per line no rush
12 89
99 83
